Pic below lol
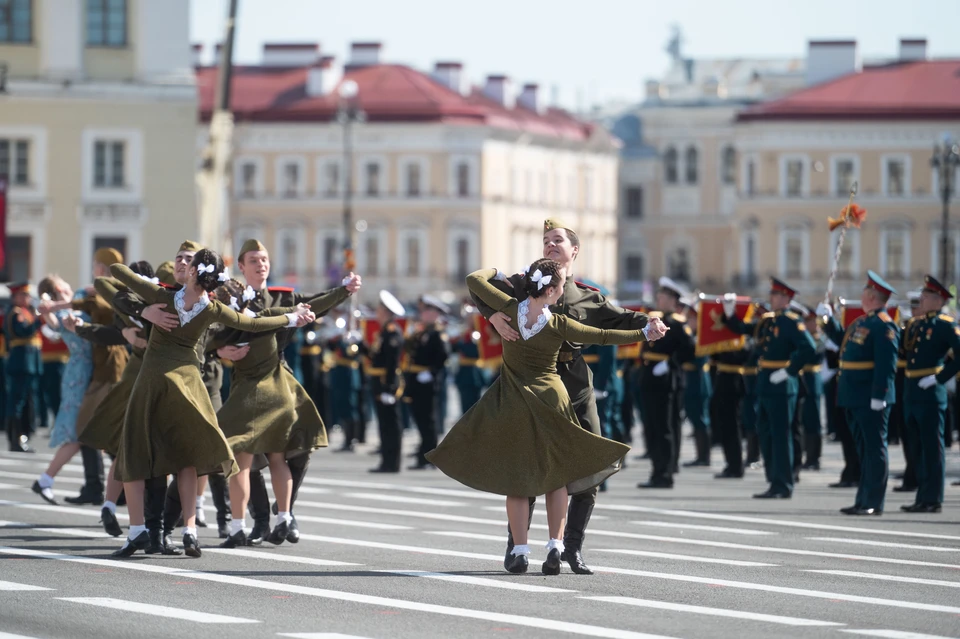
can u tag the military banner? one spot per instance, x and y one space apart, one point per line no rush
713 336
370 328
489 344
849 311
631 351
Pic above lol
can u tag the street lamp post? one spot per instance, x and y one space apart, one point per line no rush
349 112
946 159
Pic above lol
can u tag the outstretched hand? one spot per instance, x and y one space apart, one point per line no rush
655 329
352 282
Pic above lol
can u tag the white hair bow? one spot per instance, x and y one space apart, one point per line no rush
223 277
152 280
205 268
249 293
541 279
233 303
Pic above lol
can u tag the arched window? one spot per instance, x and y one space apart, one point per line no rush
691 159
728 164
670 165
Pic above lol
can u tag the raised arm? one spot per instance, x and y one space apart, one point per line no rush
229 317
574 331
833 330
740 327
107 287
102 334
479 284
604 314
147 291
321 304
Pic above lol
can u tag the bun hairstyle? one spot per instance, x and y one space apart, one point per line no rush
231 291
48 286
143 268
547 268
209 266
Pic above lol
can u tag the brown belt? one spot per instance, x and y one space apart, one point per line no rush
469 361
689 368
901 363
812 368
654 357
26 341
416 368
730 368
748 370
764 363
348 363
856 366
922 372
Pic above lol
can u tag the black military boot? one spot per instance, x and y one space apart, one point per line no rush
814 446
753 449
347 446
702 441
578 516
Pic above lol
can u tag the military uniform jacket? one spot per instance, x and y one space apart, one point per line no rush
468 373
428 350
868 359
602 361
782 342
21 328
384 370
108 361
926 341
812 381
676 347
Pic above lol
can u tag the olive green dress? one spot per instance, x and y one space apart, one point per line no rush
268 411
170 423
522 439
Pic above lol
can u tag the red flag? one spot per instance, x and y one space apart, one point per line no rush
489 344
3 223
632 351
851 311
713 336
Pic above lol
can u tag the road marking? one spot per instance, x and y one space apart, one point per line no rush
540 513
682 526
702 560
310 490
443 492
156 611
476 581
898 578
314 635
883 544
713 612
403 513
352 523
461 535
70 510
290 559
383 602
893 634
7 635
11 586
384 546
33 477
398 499
69 532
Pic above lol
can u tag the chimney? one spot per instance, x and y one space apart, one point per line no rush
713 87
498 89
282 54
364 54
529 98
216 54
197 54
654 91
913 49
450 75
830 59
322 76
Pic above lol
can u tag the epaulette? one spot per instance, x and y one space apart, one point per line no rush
655 314
946 318
792 315
679 318
884 316
769 315
587 286
392 326
280 289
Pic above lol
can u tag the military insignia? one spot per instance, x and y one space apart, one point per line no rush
956 329
687 330
929 333
860 335
776 331
884 316
891 335
801 326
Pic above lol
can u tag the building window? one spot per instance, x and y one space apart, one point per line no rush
794 253
463 179
15 161
462 252
691 161
248 179
543 189
413 179
678 265
288 262
330 179
634 198
849 265
118 243
109 164
844 171
16 21
728 165
670 159
371 247
894 254
750 185
633 268
290 179
107 23
572 192
331 251
18 258
794 185
895 177
372 170
412 251
750 257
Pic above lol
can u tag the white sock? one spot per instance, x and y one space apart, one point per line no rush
234 526
523 549
135 531
555 543
45 481
200 501
283 517
112 507
189 531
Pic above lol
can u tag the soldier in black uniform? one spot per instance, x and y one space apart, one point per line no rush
386 381
427 350
661 385
908 481
728 393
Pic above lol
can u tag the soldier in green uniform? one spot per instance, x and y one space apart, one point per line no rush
470 377
868 366
813 389
898 425
928 337
21 329
697 392
427 350
345 387
786 349
386 381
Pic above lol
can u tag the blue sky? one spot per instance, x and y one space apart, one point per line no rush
590 51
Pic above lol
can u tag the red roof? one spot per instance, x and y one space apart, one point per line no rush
387 93
908 90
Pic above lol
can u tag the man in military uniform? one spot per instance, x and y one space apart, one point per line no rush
587 306
427 351
910 444
813 389
661 385
21 329
868 366
697 392
786 349
470 377
928 337
728 397
345 386
386 381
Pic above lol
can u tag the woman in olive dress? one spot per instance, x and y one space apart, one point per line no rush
522 439
170 426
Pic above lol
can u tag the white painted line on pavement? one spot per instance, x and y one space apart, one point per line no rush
897 578
156 611
713 612
70 510
540 512
893 634
882 544
402 513
9 486
464 535
270 556
683 526
352 523
381 545
69 532
11 585
701 560
402 604
7 635
310 490
398 499
443 492
508 584
31 477
315 635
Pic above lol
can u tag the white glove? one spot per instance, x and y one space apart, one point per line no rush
927 382
826 374
951 385
387 399
424 377
824 310
49 333
661 369
779 376
832 346
729 304
877 404
354 337
600 394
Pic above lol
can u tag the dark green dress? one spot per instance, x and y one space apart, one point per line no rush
170 423
522 439
268 411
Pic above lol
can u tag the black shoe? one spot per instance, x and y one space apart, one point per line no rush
260 530
21 445
656 484
728 474
156 543
141 542
45 493
236 540
85 500
955 483
844 484
858 511
346 448
274 508
201 518
508 556
222 530
279 533
422 466
293 531
695 463
169 548
811 466
897 476
191 546
552 565
903 488
574 559
110 524
771 495
516 564
921 508
384 469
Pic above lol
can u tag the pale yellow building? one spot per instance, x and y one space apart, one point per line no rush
446 177
97 132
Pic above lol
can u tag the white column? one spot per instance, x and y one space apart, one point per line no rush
62 33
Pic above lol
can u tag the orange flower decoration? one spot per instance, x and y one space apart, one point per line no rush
849 216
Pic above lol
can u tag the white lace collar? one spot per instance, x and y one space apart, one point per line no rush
522 310
186 316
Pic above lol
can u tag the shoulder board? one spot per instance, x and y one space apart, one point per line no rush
946 318
280 289
655 314
391 327
769 315
884 316
792 315
586 286
677 317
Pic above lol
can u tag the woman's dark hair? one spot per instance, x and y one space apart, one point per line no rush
48 286
208 280
231 288
546 268
142 267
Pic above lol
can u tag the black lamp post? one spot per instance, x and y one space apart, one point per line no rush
347 113
946 159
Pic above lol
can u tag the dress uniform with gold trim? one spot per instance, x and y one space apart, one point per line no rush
21 329
427 350
386 382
